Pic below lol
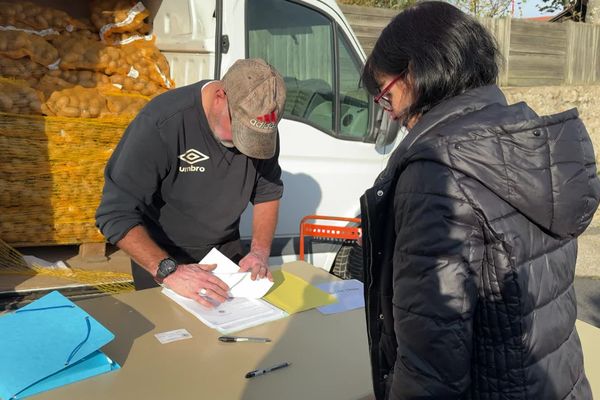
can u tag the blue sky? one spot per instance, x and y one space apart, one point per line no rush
529 9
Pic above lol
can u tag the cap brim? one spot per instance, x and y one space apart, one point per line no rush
253 143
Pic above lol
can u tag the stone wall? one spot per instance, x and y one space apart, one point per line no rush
593 13
554 99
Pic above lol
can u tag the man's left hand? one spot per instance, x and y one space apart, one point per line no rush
258 264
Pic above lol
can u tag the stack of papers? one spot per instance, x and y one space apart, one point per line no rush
231 316
244 309
288 294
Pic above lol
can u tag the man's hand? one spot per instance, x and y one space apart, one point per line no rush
258 263
191 279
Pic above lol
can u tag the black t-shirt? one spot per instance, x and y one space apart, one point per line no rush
170 174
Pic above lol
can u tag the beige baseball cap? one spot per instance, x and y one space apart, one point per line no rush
256 97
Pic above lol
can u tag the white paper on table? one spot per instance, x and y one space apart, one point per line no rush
349 294
240 283
232 315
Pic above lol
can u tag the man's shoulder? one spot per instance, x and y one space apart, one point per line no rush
173 103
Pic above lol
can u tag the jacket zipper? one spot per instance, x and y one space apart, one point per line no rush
369 267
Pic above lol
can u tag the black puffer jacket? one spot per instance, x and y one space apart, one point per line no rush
470 247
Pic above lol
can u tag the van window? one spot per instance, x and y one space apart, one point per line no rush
298 42
354 100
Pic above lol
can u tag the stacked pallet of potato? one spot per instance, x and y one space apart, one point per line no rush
68 89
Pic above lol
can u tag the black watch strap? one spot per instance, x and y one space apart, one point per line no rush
165 268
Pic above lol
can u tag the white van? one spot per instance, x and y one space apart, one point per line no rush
332 147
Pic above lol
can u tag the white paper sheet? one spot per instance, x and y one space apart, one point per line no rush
349 294
232 315
240 283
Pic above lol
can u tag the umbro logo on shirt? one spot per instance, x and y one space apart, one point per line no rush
192 156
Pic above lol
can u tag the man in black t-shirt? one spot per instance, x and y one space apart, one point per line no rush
185 170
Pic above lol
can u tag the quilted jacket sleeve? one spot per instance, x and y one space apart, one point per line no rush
437 257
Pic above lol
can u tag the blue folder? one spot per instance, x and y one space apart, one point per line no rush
50 343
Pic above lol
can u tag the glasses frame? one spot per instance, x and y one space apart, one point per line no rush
386 104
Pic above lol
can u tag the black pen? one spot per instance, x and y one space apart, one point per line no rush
258 372
230 339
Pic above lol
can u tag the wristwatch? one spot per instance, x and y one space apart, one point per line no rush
165 268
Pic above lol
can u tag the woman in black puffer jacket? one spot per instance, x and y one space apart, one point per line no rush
470 234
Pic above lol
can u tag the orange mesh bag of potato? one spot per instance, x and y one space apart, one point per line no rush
149 62
136 60
88 79
22 68
117 16
50 84
76 102
17 44
56 81
79 35
7 21
17 97
82 53
51 175
137 85
38 17
125 104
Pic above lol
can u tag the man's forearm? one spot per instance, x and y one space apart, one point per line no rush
264 223
144 251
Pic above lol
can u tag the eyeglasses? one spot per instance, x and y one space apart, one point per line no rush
384 100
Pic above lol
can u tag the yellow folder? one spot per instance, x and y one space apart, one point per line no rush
293 294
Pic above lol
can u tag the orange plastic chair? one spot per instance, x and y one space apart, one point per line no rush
327 231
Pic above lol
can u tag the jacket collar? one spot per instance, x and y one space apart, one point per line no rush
445 112
449 110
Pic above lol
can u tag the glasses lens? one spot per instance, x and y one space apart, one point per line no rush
385 103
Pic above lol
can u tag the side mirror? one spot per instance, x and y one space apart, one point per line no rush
388 128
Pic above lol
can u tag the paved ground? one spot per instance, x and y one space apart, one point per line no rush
588 300
588 258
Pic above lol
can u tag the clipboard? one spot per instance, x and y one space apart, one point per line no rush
49 343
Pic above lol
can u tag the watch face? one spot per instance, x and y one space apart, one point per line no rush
166 267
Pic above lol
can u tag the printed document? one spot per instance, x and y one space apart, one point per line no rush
231 316
243 309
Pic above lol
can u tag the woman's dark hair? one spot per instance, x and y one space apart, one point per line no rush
445 51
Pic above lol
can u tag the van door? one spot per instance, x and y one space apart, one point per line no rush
186 34
328 151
